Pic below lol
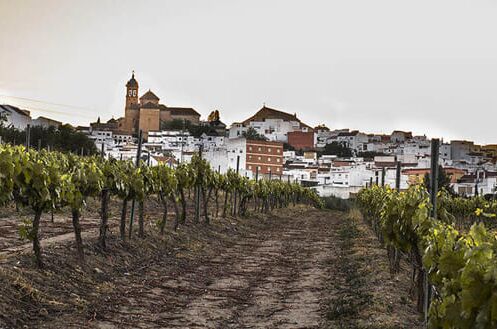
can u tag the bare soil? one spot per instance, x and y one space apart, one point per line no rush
295 268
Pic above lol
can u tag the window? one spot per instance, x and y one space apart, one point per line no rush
250 157
259 149
250 148
277 160
277 150
134 93
130 93
268 159
250 167
269 149
278 169
258 158
259 167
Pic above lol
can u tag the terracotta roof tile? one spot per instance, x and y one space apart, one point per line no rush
149 95
268 113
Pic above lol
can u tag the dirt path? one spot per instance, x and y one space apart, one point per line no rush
298 269
273 278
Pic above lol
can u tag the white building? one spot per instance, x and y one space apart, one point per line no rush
485 182
212 142
46 122
460 150
16 117
400 136
236 130
273 124
237 149
354 140
347 177
173 140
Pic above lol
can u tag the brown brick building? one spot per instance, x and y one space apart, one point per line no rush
301 140
268 156
146 113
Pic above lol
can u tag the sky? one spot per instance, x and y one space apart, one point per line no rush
427 66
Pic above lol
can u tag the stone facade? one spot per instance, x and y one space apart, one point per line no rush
146 113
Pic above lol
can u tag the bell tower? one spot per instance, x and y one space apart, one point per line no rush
131 91
132 108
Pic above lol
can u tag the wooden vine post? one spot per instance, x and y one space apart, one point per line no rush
137 164
435 149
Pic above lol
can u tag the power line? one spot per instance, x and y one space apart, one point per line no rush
37 109
78 114
48 103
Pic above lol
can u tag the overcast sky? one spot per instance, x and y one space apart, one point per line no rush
426 66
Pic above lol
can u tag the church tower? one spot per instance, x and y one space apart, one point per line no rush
132 108
131 91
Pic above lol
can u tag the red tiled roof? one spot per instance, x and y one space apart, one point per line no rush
161 158
268 113
149 95
183 111
179 110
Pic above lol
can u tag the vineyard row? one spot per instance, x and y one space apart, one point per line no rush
44 181
454 270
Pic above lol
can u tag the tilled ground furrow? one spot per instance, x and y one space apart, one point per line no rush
274 278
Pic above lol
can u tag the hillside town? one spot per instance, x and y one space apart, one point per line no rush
278 145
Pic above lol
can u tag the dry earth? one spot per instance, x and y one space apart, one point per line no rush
296 268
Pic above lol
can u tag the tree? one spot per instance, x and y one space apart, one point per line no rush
166 188
338 149
3 119
443 181
370 154
213 116
38 185
252 134
187 126
84 180
64 138
288 147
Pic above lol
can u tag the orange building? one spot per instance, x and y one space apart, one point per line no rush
146 113
417 175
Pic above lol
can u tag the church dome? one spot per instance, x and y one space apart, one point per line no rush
132 83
